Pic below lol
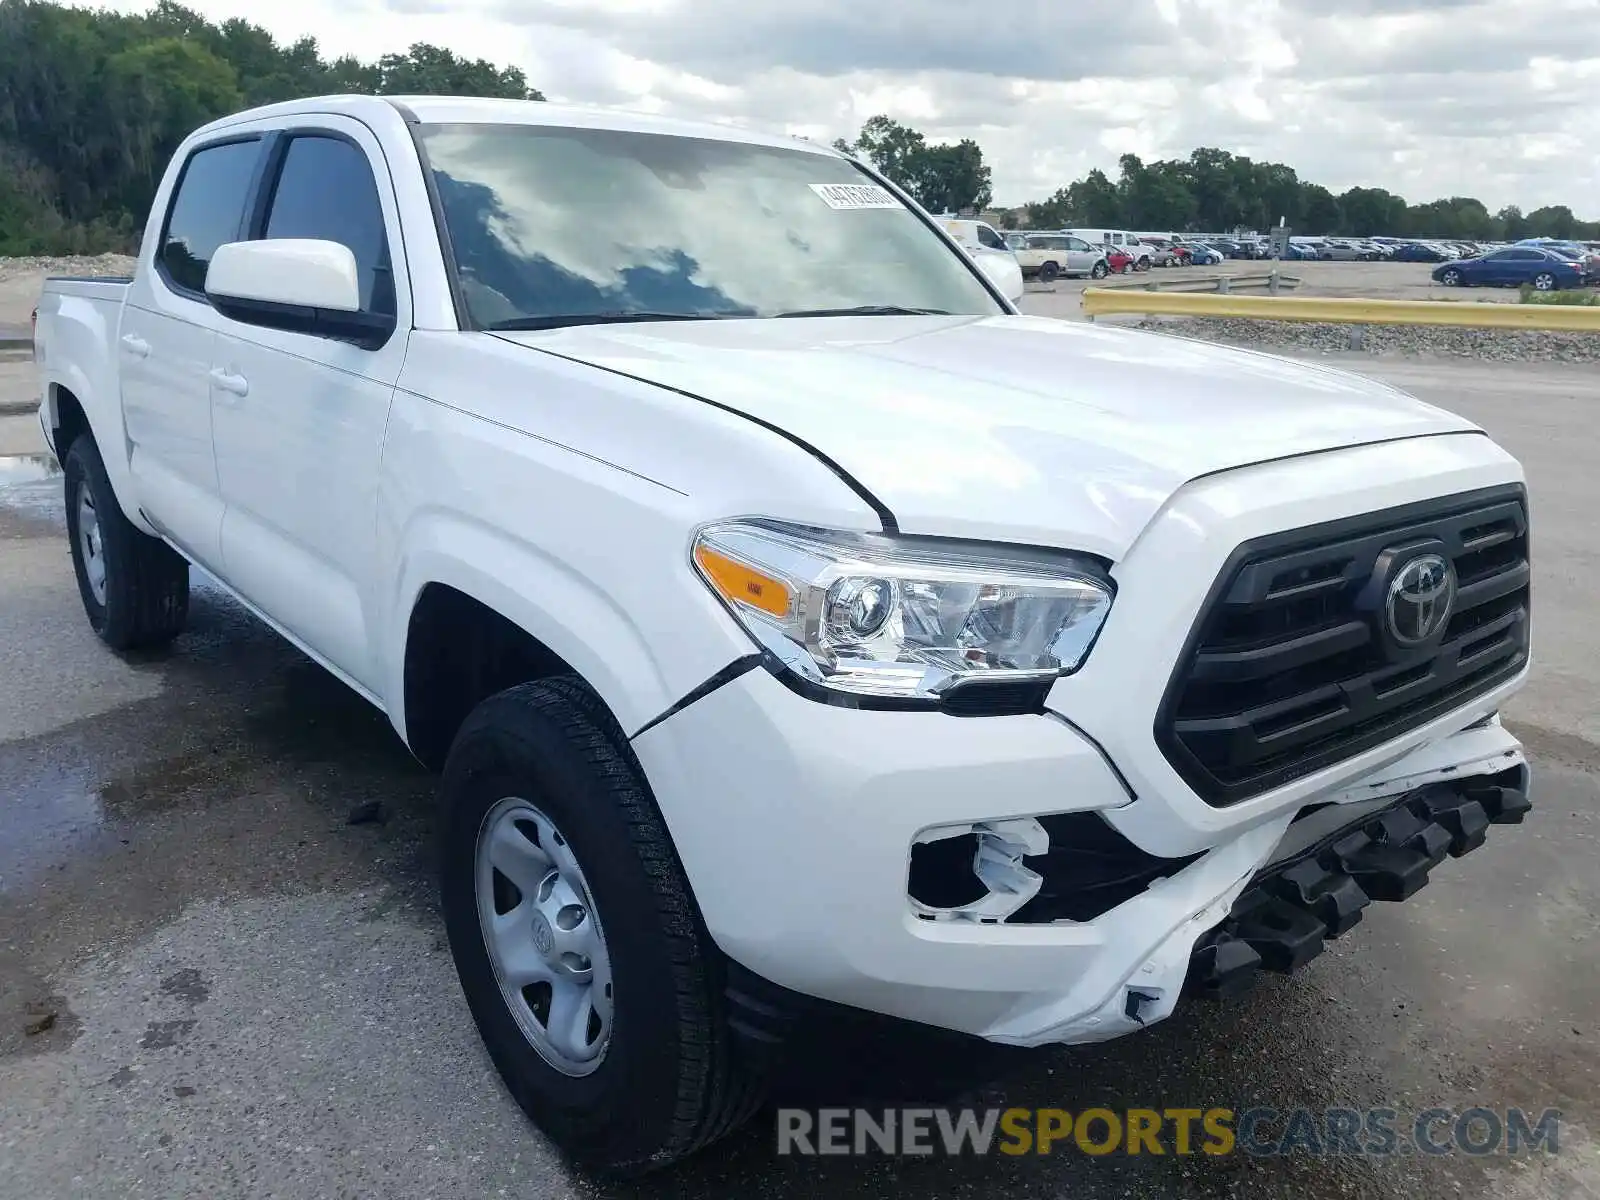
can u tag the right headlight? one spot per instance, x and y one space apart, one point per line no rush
907 619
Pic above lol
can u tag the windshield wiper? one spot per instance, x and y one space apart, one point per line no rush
562 320
868 310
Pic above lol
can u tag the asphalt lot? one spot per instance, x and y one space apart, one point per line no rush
245 995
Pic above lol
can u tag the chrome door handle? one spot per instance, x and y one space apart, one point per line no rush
135 345
229 382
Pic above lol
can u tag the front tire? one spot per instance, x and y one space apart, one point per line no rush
1098 271
641 1069
1451 278
135 588
1048 272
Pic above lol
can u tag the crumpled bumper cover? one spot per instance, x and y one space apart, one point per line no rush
1291 909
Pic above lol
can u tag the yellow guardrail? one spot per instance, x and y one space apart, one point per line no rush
1487 315
1188 281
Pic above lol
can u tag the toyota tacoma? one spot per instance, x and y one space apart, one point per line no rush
794 623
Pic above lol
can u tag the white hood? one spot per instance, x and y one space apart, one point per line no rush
1023 429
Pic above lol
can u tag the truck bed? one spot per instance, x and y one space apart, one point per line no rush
91 287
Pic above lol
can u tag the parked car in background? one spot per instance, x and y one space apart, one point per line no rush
1224 246
1512 267
1120 261
1587 257
1120 238
989 250
1048 256
1419 252
1202 255
1163 256
1344 250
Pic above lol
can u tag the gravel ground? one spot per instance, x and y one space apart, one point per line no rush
1495 345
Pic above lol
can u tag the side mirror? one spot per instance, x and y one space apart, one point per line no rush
295 284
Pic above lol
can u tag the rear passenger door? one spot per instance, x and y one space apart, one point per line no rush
165 342
299 418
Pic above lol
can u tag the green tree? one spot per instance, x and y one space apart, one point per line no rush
942 177
432 70
1094 202
1370 211
93 103
165 89
1320 209
1513 225
894 149
951 177
1556 221
1155 196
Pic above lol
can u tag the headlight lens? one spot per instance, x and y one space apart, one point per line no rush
879 616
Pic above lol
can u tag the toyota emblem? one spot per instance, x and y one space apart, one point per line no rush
1422 594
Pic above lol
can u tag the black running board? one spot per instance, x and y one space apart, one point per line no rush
1292 909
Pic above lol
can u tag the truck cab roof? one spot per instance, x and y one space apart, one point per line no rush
442 110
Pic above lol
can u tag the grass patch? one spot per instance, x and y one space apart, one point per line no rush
1583 297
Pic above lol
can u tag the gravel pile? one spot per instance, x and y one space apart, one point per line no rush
99 264
1499 345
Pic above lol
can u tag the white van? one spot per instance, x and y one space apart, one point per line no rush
989 250
1120 238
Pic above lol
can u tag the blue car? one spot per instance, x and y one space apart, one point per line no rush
1511 267
1201 255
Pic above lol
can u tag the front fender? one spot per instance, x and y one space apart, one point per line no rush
569 614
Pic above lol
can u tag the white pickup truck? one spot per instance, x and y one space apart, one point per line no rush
794 623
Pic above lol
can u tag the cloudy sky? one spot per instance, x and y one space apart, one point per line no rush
1430 98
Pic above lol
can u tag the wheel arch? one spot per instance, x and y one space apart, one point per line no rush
489 613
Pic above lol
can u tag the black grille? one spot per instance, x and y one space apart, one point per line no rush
1288 669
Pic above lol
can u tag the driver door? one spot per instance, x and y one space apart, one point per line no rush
299 418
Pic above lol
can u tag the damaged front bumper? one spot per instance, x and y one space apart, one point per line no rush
1294 906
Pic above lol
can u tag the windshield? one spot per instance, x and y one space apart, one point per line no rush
553 226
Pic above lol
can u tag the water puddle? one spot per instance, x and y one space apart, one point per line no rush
27 468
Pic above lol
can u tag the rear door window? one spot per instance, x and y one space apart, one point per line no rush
206 212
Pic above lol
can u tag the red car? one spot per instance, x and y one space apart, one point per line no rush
1120 261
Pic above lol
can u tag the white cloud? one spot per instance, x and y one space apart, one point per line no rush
1428 98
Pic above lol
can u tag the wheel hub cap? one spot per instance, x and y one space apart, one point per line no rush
543 936
89 542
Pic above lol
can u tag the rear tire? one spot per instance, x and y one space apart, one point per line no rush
135 588
670 1076
1544 282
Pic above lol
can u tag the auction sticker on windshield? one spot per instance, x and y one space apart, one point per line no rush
854 195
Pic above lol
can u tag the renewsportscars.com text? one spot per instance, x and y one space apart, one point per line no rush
1260 1132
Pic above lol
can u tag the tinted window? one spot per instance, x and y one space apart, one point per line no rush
988 237
1524 255
325 191
207 210
554 226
